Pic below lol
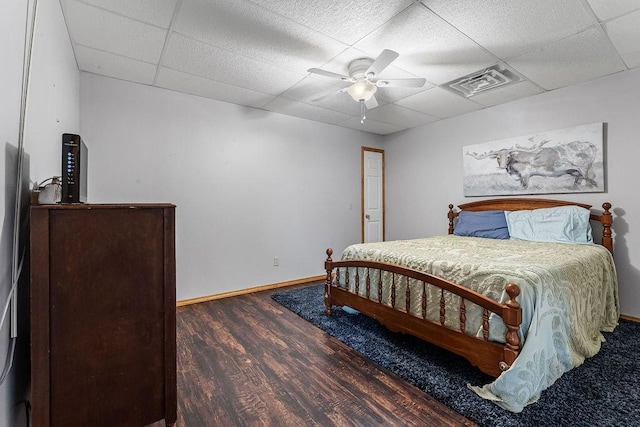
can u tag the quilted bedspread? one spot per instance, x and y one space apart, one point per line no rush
569 295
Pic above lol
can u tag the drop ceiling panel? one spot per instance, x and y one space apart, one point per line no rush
347 21
399 116
438 102
428 46
342 102
371 126
310 88
110 65
107 31
194 85
510 27
305 111
156 12
201 59
257 52
393 94
607 9
584 56
340 63
624 33
247 29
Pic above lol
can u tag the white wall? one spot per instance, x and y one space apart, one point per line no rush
54 92
12 18
424 165
53 105
249 185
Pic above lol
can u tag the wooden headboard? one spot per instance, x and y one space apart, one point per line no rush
517 204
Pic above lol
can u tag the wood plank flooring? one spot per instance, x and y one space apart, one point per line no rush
248 361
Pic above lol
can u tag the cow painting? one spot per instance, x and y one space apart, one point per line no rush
569 160
521 163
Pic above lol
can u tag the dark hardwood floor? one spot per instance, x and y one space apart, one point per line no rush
248 361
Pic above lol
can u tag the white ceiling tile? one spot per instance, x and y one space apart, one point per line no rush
99 29
201 59
156 12
110 65
194 85
428 46
399 116
502 95
371 126
438 102
305 111
510 27
584 56
342 102
624 33
257 52
393 94
607 9
347 21
251 30
310 88
340 63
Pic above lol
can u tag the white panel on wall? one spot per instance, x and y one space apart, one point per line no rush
424 165
249 185
54 93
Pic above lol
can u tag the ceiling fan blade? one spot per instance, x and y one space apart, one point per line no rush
371 103
417 82
328 95
382 61
329 74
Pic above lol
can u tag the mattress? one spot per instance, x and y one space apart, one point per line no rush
569 296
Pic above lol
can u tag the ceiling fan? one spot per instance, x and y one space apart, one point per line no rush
363 73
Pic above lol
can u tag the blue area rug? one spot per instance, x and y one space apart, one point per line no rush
604 391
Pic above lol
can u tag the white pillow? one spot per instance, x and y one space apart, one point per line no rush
569 224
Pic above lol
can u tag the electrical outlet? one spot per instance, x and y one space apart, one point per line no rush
276 261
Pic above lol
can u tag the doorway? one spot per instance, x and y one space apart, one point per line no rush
372 195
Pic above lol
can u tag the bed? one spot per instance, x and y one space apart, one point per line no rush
524 308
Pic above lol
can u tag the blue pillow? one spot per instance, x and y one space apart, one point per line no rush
491 224
569 224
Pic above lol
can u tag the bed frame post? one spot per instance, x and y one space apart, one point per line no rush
327 285
607 219
512 318
451 215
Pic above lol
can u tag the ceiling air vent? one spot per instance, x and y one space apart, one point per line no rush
481 81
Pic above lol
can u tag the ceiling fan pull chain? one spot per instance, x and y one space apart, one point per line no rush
363 109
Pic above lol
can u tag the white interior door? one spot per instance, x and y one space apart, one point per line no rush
372 195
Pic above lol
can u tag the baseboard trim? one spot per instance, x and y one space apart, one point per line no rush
631 318
249 290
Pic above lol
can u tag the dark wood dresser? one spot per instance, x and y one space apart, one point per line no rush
103 328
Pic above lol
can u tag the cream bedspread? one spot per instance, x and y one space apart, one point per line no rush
569 294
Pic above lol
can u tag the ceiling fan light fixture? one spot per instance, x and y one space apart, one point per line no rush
362 91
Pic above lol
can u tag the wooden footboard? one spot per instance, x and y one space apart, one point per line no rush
489 356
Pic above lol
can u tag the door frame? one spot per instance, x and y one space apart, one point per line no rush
362 192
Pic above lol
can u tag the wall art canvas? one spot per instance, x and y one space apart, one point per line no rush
559 161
